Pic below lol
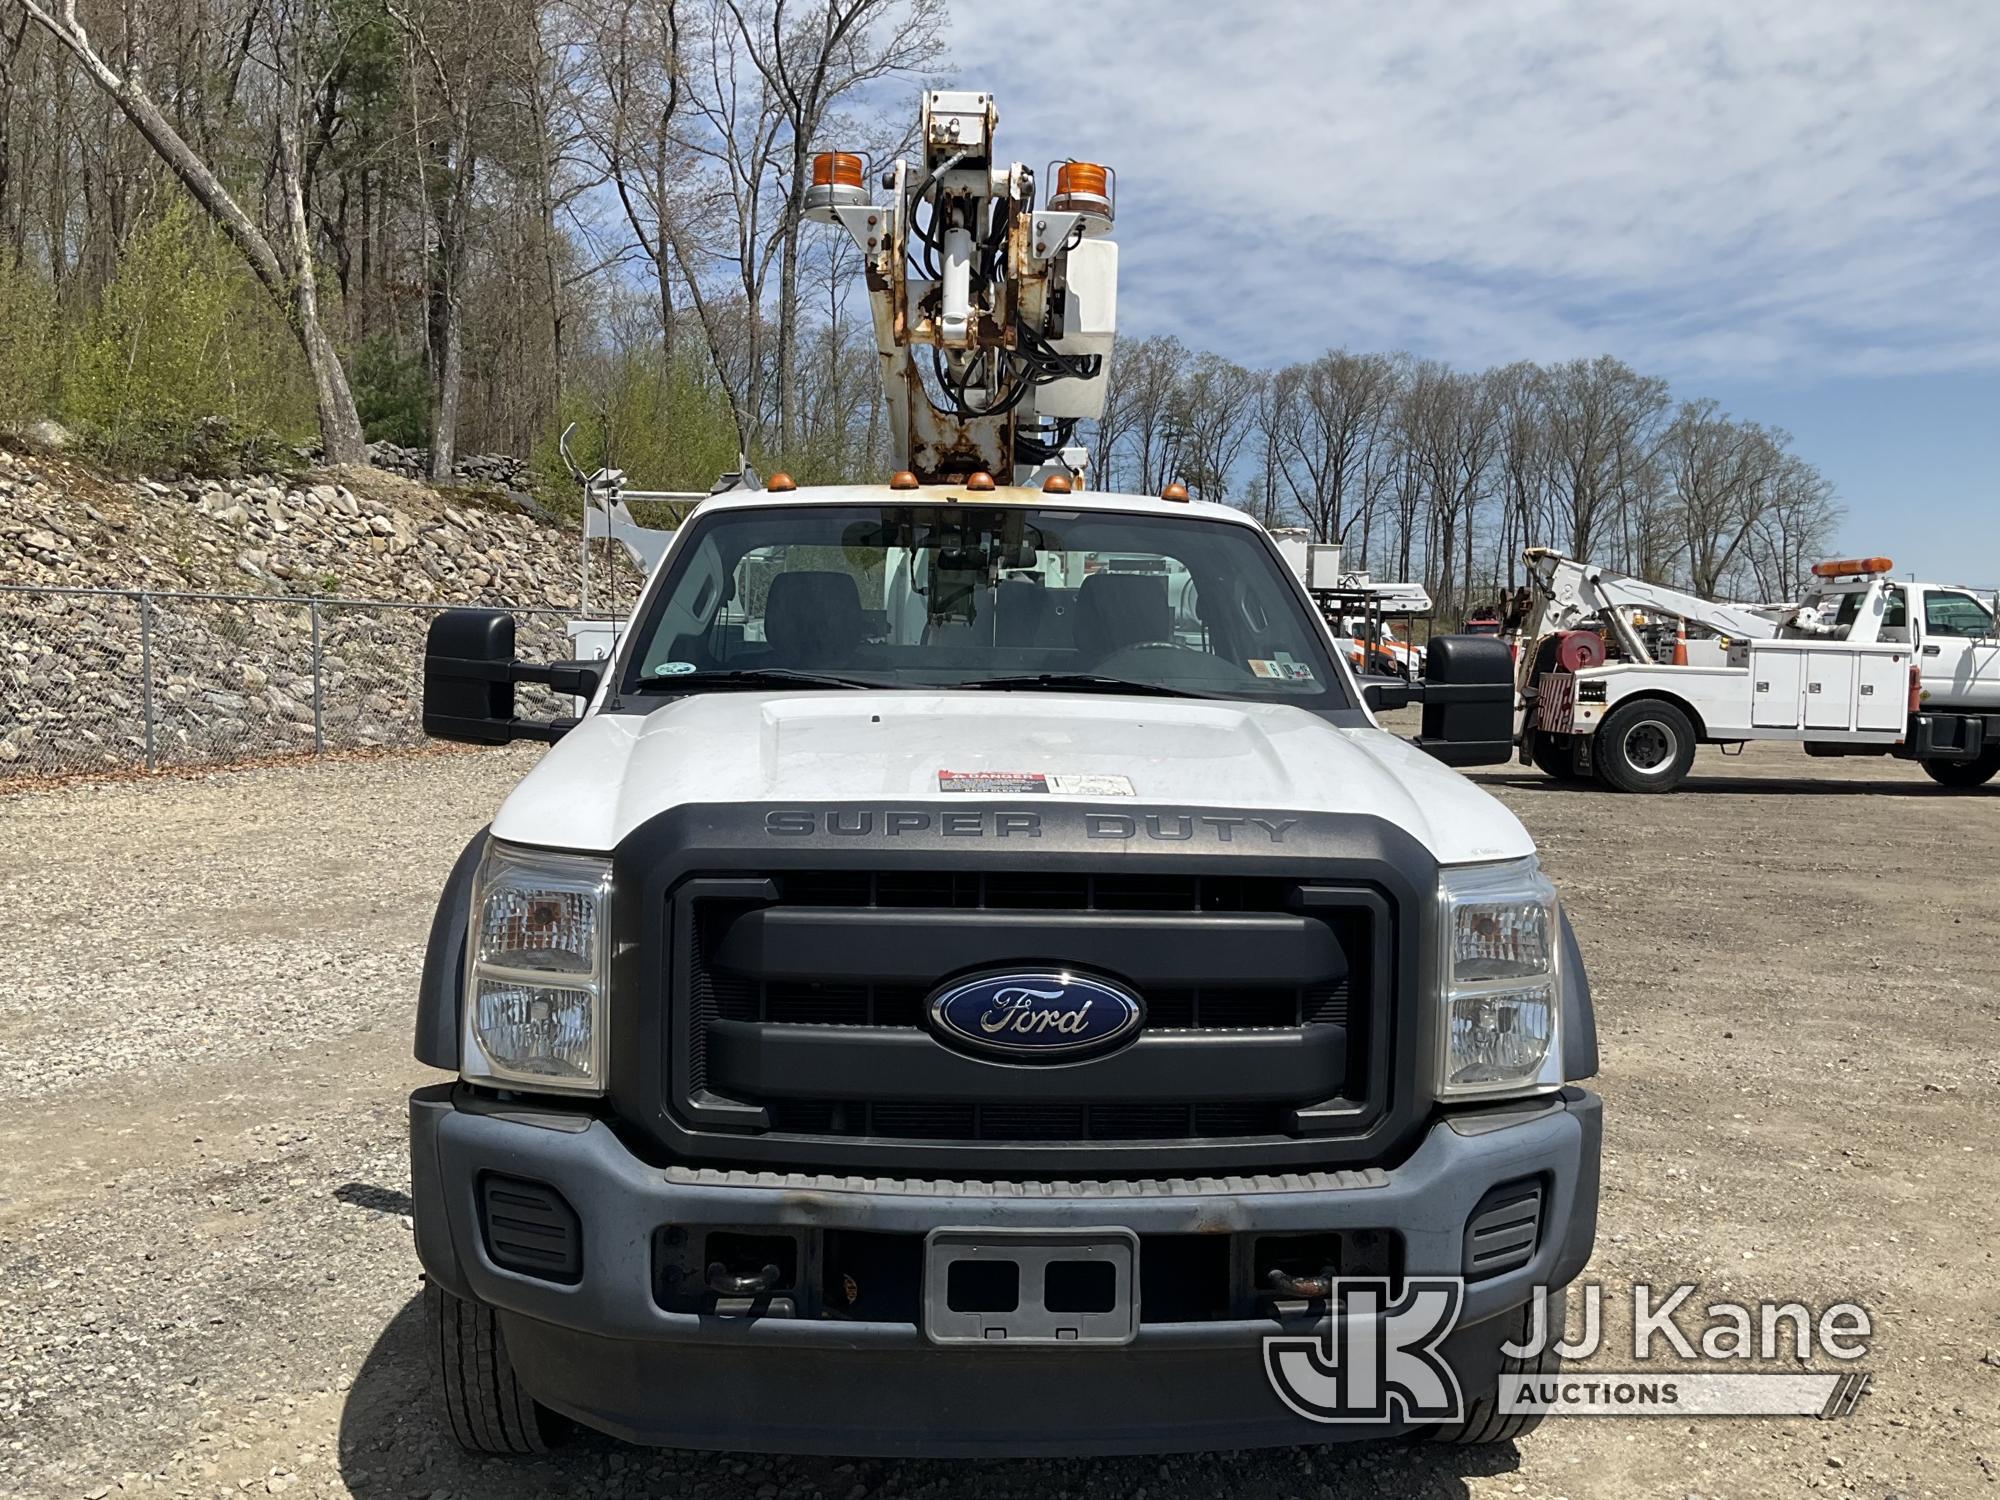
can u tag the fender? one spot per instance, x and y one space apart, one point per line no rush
1579 1020
440 994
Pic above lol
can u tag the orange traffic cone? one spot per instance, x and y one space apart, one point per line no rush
1681 644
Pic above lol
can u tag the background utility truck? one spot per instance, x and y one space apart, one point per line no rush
945 997
1865 665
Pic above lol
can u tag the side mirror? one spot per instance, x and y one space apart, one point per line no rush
469 677
1468 693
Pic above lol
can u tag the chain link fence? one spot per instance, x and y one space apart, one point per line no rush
96 680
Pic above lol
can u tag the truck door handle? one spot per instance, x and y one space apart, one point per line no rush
1932 650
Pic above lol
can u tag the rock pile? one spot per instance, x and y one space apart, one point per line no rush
501 470
81 674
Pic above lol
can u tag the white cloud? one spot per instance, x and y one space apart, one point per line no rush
1704 185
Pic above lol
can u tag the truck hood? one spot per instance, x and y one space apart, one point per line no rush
812 749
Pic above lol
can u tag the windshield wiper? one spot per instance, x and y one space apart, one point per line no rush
1079 682
751 678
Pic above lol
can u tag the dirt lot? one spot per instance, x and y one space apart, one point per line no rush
207 1285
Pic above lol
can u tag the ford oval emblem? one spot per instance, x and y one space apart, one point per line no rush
1039 1015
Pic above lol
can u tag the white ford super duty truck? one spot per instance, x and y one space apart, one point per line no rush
975 977
939 997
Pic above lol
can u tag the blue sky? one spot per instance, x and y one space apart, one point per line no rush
1792 207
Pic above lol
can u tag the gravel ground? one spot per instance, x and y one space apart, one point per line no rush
207 1285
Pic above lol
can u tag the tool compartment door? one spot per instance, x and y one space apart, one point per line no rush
1774 688
1830 681
1883 700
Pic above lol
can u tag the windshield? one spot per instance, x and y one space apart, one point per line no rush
929 596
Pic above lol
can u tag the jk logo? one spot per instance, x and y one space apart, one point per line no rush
1377 1360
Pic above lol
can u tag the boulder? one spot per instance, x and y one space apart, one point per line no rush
49 435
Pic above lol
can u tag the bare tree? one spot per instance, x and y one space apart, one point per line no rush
808 65
1339 407
1270 411
638 50
1793 530
1215 409
282 265
1113 425
740 136
1724 477
1152 384
1448 422
12 224
1521 463
1601 414
454 67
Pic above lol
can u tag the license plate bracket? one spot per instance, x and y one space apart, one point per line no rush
1034 1287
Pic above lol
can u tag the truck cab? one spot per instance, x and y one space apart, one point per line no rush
921 1006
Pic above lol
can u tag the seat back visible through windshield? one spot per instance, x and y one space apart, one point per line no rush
943 596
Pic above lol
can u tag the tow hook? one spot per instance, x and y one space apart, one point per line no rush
726 1283
1312 1288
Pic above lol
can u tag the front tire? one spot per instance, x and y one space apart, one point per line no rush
1644 746
1964 775
1484 1422
485 1405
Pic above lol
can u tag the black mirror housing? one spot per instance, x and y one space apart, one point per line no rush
1468 694
469 677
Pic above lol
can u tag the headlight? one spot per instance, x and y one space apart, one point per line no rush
1502 993
536 962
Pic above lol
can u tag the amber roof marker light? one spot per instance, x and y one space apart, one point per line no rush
1056 484
1175 491
980 480
902 479
780 482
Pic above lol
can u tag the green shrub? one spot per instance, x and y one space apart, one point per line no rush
184 343
667 431
27 347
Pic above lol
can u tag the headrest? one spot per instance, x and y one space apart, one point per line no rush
1115 610
1020 607
813 616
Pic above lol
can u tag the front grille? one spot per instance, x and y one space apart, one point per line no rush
794 990
1029 890
950 1120
830 1003
739 997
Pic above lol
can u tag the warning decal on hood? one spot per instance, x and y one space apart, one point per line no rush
1014 783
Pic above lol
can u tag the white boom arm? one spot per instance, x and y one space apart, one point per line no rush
1568 591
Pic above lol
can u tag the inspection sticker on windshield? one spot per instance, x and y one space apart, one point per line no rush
1284 669
1013 783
